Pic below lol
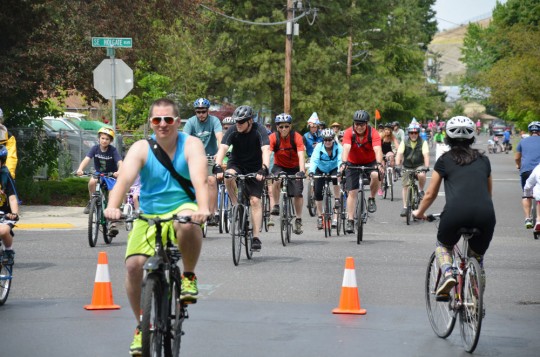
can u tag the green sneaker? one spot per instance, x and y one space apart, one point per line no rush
190 291
135 349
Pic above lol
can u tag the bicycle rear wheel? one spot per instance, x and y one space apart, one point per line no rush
343 213
5 282
472 310
94 218
104 229
266 211
390 176
153 322
221 209
248 241
177 314
236 232
441 314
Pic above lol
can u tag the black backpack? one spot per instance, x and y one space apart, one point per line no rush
291 138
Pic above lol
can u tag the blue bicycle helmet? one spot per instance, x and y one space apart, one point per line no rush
283 118
201 103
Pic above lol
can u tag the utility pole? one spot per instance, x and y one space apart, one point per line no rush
288 58
349 51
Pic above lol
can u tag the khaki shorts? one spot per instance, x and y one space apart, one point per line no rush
141 239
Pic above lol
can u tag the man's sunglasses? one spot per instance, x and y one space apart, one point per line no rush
242 121
284 127
328 139
201 111
360 123
157 120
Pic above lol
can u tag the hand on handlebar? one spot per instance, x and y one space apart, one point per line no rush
417 216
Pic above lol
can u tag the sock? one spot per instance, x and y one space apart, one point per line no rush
189 275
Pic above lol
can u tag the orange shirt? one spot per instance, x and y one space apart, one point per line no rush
285 156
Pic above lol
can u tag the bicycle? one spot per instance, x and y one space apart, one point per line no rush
265 201
342 212
466 297
163 311
327 206
287 211
312 209
96 219
223 208
241 232
532 214
6 269
361 213
128 208
413 196
388 181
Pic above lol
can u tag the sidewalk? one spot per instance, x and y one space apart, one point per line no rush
51 218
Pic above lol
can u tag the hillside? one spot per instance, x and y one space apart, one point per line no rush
448 43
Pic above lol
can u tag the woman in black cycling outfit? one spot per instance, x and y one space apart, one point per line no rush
468 188
389 145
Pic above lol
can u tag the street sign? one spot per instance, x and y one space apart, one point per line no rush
125 42
123 76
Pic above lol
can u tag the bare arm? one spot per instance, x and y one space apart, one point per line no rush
345 152
14 204
83 164
378 153
301 161
219 136
266 155
517 159
222 151
198 172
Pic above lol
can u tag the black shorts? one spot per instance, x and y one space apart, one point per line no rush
352 177
452 220
318 184
294 187
524 177
253 187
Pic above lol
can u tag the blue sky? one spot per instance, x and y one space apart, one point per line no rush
451 13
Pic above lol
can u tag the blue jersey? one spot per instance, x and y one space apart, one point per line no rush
324 162
205 131
530 153
310 140
160 192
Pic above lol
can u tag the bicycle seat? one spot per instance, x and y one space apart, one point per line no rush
469 232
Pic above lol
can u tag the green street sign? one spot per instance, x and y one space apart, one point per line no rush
111 42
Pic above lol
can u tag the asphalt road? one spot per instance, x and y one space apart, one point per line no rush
279 303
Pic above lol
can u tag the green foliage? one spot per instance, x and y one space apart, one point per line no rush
69 192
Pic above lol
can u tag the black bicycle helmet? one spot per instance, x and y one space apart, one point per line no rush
361 116
242 112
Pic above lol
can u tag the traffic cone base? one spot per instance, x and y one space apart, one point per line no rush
102 298
349 302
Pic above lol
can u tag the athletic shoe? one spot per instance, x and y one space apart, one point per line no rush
447 284
334 223
337 204
319 223
256 244
371 206
270 222
275 210
87 208
537 227
528 223
403 212
349 227
9 257
135 349
113 230
298 226
190 291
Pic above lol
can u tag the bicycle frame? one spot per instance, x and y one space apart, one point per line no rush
287 210
327 207
412 192
361 213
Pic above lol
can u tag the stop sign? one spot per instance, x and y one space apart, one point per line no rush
103 78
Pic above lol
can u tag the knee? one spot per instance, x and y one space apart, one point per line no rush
134 268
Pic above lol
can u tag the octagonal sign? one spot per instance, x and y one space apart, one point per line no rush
103 78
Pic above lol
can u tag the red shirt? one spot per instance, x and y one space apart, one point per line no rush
285 156
362 152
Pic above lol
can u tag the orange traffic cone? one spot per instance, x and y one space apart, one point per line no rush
102 299
349 302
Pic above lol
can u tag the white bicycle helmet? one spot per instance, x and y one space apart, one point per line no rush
327 133
460 127
534 126
228 121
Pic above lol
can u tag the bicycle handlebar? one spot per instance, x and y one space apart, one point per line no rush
94 174
240 176
154 220
433 217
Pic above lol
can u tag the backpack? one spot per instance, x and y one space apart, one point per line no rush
291 138
353 140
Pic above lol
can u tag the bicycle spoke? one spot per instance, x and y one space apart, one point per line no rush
442 316
472 310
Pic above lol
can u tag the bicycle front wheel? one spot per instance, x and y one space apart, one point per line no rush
5 282
128 211
266 211
236 232
221 208
153 323
93 222
410 198
442 316
472 310
285 219
360 209
311 200
390 177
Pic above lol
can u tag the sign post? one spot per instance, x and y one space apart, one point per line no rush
101 83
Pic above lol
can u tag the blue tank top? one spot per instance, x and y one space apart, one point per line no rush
160 192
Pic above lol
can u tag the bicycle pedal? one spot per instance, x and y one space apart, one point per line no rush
189 302
443 298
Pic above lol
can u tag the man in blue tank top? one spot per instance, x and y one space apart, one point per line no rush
161 194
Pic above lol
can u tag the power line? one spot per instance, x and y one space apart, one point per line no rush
305 13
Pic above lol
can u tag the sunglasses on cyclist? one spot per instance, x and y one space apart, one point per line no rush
242 121
360 123
328 139
157 120
284 127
